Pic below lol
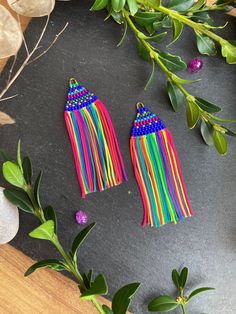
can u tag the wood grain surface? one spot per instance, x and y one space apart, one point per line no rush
45 291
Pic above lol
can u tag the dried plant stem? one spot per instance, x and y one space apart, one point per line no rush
7 98
11 69
52 43
27 61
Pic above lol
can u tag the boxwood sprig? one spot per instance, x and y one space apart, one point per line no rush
152 17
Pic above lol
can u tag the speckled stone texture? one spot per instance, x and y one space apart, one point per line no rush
118 246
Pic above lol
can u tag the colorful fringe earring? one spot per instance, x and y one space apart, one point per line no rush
98 160
157 170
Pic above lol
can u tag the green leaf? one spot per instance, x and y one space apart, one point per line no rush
44 232
198 5
88 279
202 17
199 290
27 169
19 157
172 62
206 105
133 7
13 174
117 5
98 287
124 34
37 187
205 45
79 239
142 51
180 80
156 38
183 277
175 278
117 16
149 82
177 30
50 214
229 132
163 303
122 298
180 5
147 18
99 5
177 98
106 309
192 113
220 142
51 263
4 156
207 132
20 199
229 52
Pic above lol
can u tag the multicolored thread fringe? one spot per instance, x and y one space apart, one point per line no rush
98 160
157 170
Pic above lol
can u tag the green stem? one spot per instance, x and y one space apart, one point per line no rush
183 308
97 305
185 20
72 267
154 54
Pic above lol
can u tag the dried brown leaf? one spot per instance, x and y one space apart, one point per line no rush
10 34
6 119
32 8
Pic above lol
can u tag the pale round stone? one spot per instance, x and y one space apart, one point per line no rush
9 219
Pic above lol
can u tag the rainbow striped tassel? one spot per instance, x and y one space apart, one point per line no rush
98 160
157 170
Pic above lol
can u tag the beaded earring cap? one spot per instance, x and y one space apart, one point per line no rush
157 170
98 160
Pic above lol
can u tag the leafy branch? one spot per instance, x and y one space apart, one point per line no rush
166 303
26 196
151 16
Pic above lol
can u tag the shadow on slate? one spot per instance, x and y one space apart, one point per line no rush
118 246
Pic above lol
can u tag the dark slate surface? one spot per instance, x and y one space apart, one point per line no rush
119 247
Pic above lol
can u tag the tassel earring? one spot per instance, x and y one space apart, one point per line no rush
98 160
157 170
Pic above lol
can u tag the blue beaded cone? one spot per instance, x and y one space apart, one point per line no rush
146 122
78 97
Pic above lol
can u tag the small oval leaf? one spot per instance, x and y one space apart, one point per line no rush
44 232
98 287
122 298
175 278
192 113
207 132
183 277
51 263
205 45
220 142
80 238
12 174
199 290
206 105
99 5
27 169
163 303
177 98
50 214
20 199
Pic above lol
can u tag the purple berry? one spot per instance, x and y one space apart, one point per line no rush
195 65
81 217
